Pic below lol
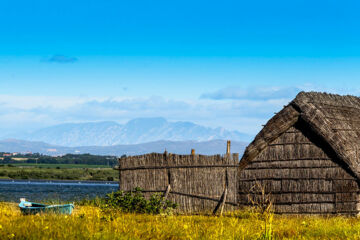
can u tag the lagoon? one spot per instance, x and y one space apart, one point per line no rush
64 191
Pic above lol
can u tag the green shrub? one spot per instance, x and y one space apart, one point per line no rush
133 202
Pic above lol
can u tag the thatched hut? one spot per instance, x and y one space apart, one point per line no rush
307 157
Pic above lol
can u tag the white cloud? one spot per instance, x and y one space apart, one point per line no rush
231 108
234 108
28 112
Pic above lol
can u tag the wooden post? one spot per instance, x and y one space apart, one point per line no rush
193 152
167 191
222 200
225 190
228 147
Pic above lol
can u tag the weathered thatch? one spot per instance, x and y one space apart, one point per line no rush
307 157
196 182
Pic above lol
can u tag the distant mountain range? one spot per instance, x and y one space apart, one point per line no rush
136 131
179 147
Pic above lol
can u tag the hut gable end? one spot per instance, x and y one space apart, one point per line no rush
333 118
306 156
276 126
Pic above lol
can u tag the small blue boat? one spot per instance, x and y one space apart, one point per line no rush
34 208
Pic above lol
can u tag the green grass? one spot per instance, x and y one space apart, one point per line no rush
89 222
45 165
90 174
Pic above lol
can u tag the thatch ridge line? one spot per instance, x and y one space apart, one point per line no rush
325 97
318 122
276 126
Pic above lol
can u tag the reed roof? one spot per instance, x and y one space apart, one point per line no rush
335 119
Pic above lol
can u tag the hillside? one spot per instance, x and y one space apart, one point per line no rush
136 131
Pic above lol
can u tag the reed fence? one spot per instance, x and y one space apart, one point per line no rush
198 183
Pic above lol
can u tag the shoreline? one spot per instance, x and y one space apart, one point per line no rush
60 181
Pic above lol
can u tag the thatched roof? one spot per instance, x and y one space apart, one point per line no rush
333 118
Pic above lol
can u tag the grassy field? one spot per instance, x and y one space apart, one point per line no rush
91 223
20 172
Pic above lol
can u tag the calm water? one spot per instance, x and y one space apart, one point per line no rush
13 190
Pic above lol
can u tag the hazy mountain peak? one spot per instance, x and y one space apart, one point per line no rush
147 122
135 131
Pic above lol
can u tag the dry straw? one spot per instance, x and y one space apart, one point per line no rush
307 156
196 182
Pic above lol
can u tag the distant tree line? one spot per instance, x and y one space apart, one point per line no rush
65 159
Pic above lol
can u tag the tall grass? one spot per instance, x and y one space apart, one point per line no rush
88 222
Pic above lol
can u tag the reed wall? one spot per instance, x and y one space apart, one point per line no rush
197 181
302 174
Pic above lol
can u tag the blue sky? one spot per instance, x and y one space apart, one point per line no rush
217 63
